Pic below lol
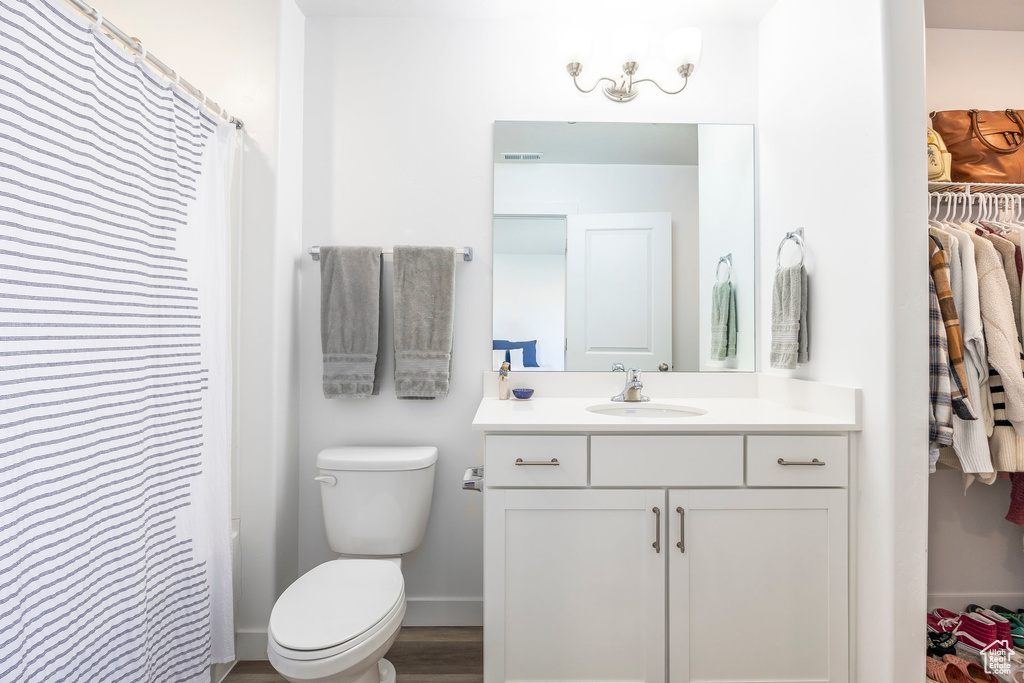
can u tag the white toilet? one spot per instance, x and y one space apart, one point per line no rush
336 622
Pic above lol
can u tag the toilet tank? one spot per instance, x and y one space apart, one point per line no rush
376 499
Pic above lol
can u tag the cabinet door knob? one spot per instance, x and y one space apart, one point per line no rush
657 529
681 544
539 463
801 463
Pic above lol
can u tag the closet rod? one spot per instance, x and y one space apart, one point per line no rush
135 45
467 253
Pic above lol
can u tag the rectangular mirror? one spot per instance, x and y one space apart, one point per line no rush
625 244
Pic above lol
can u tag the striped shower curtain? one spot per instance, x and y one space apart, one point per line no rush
114 362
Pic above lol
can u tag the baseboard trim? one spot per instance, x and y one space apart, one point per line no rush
250 645
218 672
444 612
957 602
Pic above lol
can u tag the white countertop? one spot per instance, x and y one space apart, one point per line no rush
723 415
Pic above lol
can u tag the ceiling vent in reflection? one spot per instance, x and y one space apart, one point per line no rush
521 156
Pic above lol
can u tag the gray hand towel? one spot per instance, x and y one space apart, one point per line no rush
723 321
350 321
424 320
790 331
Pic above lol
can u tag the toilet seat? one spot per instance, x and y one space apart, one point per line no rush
336 606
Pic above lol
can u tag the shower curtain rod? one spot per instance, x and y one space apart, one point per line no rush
135 45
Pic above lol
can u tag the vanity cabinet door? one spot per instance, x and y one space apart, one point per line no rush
575 589
758 586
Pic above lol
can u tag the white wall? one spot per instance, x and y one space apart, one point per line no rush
972 526
624 188
248 56
727 220
399 120
973 70
840 97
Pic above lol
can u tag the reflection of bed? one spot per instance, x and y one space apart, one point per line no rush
499 358
521 355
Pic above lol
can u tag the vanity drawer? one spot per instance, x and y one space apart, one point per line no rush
502 470
797 455
665 461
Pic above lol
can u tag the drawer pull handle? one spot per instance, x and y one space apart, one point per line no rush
539 463
813 463
681 544
657 530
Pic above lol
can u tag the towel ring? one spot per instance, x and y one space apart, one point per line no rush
796 236
727 260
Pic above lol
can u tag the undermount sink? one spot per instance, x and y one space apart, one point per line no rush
644 410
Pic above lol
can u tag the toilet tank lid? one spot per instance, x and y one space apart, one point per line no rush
376 458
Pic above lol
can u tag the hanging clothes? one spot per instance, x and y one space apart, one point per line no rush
940 427
940 281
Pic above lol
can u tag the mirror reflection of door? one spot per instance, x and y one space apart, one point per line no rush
529 285
618 298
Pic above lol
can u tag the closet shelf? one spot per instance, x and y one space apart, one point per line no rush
978 188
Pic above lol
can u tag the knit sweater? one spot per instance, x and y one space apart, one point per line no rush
1008 254
1004 350
1006 377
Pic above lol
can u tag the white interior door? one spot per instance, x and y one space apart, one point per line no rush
575 588
758 590
618 290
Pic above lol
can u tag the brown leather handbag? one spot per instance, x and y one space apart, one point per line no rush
987 146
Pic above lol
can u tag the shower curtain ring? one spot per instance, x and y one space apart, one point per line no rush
97 23
140 57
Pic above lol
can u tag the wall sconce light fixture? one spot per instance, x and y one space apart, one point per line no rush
683 47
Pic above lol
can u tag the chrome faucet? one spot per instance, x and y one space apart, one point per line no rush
633 391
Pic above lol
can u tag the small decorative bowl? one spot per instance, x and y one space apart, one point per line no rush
522 393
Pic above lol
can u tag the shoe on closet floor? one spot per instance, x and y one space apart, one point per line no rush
977 631
943 672
973 673
1015 618
940 644
1004 629
937 624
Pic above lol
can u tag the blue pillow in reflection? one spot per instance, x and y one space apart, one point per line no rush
529 350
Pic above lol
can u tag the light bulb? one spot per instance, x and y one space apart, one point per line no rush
631 45
575 46
684 46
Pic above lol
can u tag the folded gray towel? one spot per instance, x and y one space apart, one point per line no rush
790 331
350 321
424 320
723 321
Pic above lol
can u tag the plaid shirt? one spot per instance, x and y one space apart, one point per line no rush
939 266
940 426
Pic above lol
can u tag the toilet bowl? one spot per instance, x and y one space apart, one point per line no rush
336 623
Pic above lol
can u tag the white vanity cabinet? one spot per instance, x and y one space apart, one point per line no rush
655 558
574 589
757 585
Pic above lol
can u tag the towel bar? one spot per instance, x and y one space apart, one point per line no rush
467 253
